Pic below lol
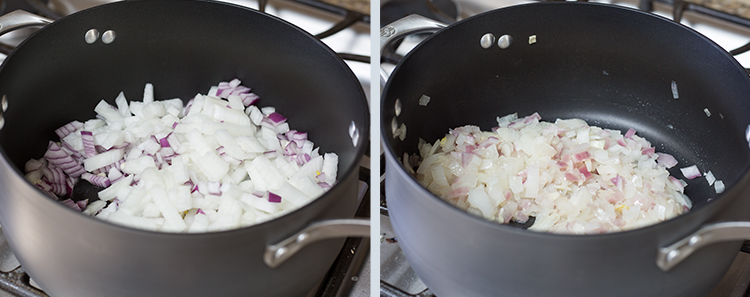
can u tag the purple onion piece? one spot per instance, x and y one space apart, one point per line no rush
120 146
269 154
291 148
68 128
302 159
89 147
276 118
214 188
630 133
97 180
59 158
70 203
83 203
249 99
273 198
324 185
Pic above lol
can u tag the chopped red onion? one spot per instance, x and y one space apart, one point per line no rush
649 151
82 204
691 172
57 157
273 198
68 128
666 160
302 159
249 99
629 134
164 142
296 136
89 147
276 118
324 185
582 156
269 154
97 180
70 203
114 175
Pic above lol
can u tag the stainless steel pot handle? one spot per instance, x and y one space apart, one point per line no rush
18 19
668 257
411 24
280 252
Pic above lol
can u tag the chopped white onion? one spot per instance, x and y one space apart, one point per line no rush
719 186
424 100
217 163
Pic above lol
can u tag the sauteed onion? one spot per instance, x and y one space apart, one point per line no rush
569 176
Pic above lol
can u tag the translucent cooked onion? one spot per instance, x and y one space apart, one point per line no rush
572 177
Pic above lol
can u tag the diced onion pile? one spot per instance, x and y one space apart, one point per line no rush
217 163
571 177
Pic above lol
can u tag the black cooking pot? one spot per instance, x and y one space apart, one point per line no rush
615 67
182 47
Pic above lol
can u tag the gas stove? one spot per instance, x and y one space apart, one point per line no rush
343 25
726 22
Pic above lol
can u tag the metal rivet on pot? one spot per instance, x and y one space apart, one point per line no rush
280 252
91 36
5 107
108 36
693 240
397 107
504 41
354 133
487 40
301 237
672 255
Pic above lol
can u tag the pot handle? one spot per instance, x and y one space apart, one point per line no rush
18 19
278 253
668 257
411 24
